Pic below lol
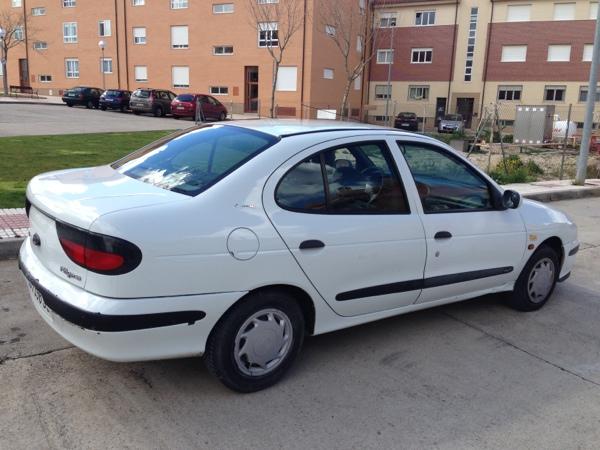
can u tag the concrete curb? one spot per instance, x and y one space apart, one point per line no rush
27 102
9 248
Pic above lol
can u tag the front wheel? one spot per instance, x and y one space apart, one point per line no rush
537 280
222 116
256 342
158 112
89 104
103 108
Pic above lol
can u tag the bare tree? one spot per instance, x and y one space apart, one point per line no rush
12 33
347 24
276 22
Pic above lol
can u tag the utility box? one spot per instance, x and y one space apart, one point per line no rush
533 124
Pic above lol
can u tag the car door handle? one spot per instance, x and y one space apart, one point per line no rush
312 243
442 235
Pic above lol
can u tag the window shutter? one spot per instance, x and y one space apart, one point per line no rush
179 36
564 11
514 53
181 76
141 73
518 13
287 78
559 53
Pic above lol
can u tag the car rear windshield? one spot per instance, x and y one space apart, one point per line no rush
185 98
453 117
113 93
191 162
407 116
77 90
141 94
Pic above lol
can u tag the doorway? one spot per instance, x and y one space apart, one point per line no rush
251 91
23 72
440 109
464 107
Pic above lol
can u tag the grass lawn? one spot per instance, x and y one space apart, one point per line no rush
23 157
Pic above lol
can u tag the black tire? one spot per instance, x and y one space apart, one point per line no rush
176 117
122 109
89 104
222 116
103 108
220 347
158 112
523 298
70 105
137 113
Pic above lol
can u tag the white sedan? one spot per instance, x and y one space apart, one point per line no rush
235 241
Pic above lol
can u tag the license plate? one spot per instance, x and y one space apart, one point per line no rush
406 124
180 107
36 296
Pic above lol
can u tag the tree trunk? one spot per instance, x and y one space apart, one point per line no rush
273 87
4 71
344 111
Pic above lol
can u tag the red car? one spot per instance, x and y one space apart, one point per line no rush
184 105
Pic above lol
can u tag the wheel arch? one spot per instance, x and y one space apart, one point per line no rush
555 243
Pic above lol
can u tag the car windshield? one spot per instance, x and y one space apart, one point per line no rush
113 93
453 117
185 98
191 162
407 116
141 94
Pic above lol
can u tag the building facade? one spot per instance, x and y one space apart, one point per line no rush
215 47
473 57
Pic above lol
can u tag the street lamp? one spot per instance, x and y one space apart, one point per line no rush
3 62
102 44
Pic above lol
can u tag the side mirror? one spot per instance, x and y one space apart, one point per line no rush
511 199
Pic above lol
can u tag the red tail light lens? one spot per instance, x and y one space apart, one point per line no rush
98 252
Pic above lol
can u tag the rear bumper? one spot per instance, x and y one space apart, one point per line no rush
143 109
123 329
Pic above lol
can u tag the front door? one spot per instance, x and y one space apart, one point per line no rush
440 109
23 72
472 247
355 235
251 89
464 107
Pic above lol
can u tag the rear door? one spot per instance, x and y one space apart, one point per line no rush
342 210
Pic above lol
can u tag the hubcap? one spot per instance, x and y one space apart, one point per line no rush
541 280
263 342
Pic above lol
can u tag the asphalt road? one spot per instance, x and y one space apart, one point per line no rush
470 375
29 120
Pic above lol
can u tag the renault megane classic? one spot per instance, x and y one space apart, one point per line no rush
235 241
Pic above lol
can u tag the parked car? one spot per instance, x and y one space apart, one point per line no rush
155 101
407 121
184 105
451 123
82 95
115 99
236 240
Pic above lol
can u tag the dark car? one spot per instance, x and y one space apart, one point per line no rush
155 101
83 95
115 99
407 121
184 105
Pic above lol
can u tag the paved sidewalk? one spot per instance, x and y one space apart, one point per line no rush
13 223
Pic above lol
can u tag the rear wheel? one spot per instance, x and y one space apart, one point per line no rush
137 113
222 116
89 104
256 342
158 112
103 108
70 105
537 280
176 117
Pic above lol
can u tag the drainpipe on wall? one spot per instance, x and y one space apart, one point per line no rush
451 77
26 42
117 42
126 45
303 62
487 54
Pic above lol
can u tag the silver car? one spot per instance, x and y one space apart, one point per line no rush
451 123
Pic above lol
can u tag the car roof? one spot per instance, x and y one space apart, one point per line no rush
293 127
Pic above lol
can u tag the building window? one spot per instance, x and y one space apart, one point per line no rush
381 118
330 30
40 45
423 18
69 3
17 3
362 7
554 93
357 83
328 74
583 93
106 65
421 55
104 28
138 2
223 8
141 73
514 53
471 44
287 79
40 11
70 32
359 44
72 68
559 53
181 76
588 50
179 4
564 11
387 20
264 2
509 93
593 10
385 56
518 13
383 92
179 37
139 35
45 78
219 90
19 34
268 34
223 50
418 92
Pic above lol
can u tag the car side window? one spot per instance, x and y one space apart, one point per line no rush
355 178
445 183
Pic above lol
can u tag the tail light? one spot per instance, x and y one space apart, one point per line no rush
96 252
